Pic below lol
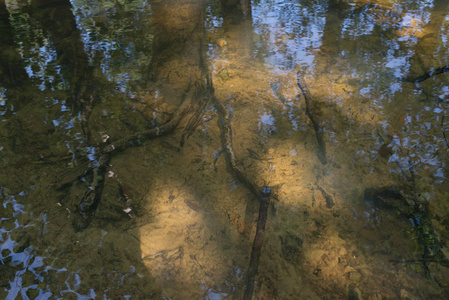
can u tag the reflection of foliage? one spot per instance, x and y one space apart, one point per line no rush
299 33
116 33
37 52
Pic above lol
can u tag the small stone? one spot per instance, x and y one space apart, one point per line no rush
80 223
355 276
385 151
221 43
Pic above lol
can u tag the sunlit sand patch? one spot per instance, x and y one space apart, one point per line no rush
182 250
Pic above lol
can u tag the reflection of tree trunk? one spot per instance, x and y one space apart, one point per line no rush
178 55
12 71
177 44
246 9
235 11
332 28
424 56
330 48
58 20
237 23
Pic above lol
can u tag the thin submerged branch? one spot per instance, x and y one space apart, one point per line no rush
427 75
231 160
312 112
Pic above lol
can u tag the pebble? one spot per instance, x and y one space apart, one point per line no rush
221 43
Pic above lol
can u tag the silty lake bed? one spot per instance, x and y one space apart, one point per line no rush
224 149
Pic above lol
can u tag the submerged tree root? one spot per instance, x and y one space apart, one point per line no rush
312 112
329 200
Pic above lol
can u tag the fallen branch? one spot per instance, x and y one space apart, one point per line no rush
226 141
97 169
92 197
138 138
311 112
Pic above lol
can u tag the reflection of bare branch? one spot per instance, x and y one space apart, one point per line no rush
312 112
194 121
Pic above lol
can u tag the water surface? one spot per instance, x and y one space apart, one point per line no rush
116 175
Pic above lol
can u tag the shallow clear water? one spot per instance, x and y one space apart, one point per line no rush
126 126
